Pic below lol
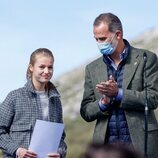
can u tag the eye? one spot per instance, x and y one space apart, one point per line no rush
42 67
102 39
50 67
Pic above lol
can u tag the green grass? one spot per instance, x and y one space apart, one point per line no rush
78 135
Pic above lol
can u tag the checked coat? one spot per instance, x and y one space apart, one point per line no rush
18 114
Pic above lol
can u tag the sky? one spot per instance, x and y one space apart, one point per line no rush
63 26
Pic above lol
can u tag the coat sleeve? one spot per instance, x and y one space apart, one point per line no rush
62 146
89 106
7 145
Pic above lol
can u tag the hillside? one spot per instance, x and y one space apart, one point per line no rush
147 40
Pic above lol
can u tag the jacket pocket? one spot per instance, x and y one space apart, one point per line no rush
21 133
136 84
20 127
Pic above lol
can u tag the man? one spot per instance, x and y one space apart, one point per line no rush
115 89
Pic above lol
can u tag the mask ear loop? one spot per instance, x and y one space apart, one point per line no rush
112 39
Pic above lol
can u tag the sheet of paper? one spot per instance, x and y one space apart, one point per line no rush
46 137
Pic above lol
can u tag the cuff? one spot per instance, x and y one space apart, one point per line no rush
103 107
119 95
17 153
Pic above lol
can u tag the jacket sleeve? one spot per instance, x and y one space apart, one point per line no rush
7 145
89 106
134 98
62 146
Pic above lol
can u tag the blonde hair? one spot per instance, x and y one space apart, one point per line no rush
40 51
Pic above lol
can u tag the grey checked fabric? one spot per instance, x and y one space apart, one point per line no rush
18 114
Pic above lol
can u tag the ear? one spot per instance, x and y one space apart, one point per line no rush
30 67
119 35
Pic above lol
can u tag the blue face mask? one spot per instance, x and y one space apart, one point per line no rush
106 48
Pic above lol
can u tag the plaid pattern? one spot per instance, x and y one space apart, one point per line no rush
18 114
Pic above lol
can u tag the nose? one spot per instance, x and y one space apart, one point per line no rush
46 70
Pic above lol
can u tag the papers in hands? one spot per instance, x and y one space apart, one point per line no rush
46 137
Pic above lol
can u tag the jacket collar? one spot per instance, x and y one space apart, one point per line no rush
29 86
132 62
52 91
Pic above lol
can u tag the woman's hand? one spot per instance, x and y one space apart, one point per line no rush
53 155
24 153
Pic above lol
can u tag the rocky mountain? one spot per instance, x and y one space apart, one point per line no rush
70 84
147 40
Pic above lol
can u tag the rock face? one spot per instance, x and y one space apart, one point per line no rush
148 40
71 84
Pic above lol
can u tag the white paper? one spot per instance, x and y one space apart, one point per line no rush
46 137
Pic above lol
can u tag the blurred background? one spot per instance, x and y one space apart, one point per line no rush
65 27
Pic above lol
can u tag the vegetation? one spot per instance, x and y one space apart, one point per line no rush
78 135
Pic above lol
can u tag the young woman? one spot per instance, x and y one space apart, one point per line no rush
38 99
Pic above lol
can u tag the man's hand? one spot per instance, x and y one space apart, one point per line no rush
108 88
